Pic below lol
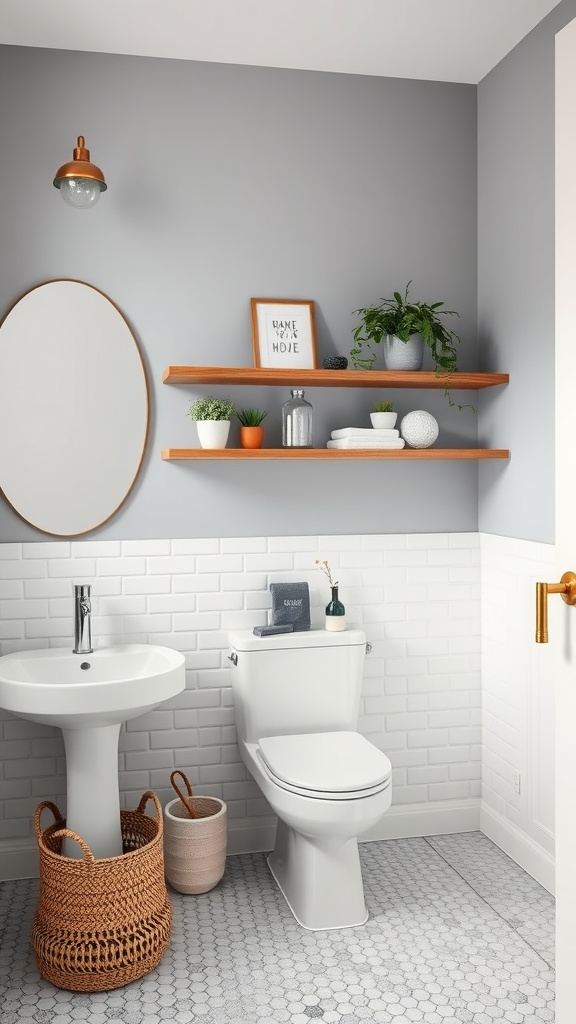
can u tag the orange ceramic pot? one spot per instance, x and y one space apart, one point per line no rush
251 437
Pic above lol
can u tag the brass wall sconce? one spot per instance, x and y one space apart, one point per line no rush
566 588
80 182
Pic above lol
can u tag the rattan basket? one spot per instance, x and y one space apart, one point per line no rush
101 923
195 840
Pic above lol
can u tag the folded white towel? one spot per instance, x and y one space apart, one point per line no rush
366 442
364 432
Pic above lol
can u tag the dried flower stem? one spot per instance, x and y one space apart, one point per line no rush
327 572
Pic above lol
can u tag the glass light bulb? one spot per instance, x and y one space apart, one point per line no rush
80 192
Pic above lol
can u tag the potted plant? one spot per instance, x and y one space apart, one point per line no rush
383 416
404 327
212 416
251 431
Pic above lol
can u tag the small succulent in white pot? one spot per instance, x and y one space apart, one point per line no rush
212 416
383 416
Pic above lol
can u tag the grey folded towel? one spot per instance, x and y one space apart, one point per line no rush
291 604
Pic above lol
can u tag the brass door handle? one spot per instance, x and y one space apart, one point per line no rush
566 588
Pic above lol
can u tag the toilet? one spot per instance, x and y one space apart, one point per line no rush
296 700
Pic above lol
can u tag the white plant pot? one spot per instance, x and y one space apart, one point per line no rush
213 433
403 355
383 420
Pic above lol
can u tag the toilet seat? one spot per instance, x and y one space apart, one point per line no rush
326 766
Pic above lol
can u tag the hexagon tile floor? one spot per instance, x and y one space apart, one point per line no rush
458 933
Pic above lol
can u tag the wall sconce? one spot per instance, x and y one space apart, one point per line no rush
80 182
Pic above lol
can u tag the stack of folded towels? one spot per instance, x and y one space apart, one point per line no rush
365 437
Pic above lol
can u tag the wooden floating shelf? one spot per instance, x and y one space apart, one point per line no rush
402 454
260 376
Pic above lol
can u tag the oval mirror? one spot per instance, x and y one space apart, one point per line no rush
73 408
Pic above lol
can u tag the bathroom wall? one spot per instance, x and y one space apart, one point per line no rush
416 596
227 182
517 809
516 281
305 185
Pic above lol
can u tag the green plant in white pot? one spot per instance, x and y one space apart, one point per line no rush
383 416
212 416
404 327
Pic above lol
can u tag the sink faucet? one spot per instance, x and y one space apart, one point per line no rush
82 628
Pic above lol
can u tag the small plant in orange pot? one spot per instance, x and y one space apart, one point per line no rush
251 431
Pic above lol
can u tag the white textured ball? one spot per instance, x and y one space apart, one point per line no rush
419 429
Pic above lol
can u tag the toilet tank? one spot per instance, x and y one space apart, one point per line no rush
296 682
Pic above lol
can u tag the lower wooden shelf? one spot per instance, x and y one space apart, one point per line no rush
173 454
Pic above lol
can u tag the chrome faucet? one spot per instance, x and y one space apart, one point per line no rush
82 626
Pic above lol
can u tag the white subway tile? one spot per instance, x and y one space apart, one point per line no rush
17 569
147 585
171 603
46 549
9 552
147 623
427 541
219 563
244 581
162 565
96 549
294 544
186 584
243 545
145 548
77 570
198 546
10 589
272 562
12 629
334 544
23 609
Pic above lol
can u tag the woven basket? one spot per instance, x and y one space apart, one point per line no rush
101 923
194 848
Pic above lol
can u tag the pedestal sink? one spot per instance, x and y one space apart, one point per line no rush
88 696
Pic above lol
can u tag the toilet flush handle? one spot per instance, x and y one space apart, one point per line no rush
368 648
233 658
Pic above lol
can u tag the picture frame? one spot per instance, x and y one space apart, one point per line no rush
284 333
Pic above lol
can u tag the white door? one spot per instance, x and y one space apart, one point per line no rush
562 617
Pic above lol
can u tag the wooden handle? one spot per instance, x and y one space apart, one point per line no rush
187 801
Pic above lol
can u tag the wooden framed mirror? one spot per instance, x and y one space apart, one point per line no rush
73 408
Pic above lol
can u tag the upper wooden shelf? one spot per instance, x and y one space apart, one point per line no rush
331 378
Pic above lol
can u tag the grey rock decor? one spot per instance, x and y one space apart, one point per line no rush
291 605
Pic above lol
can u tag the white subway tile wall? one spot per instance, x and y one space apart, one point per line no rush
416 596
517 697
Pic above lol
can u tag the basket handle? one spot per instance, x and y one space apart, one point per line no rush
186 800
67 833
149 795
38 813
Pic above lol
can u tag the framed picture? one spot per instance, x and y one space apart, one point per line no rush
283 333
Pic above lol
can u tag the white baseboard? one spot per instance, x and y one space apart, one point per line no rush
525 851
410 821
18 859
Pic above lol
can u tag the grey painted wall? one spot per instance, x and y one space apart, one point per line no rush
516 282
227 182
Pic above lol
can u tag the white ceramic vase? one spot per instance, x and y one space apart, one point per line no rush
383 420
403 355
213 433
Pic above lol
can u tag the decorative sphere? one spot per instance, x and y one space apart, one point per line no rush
419 429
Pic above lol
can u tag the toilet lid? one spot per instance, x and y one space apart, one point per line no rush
326 762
